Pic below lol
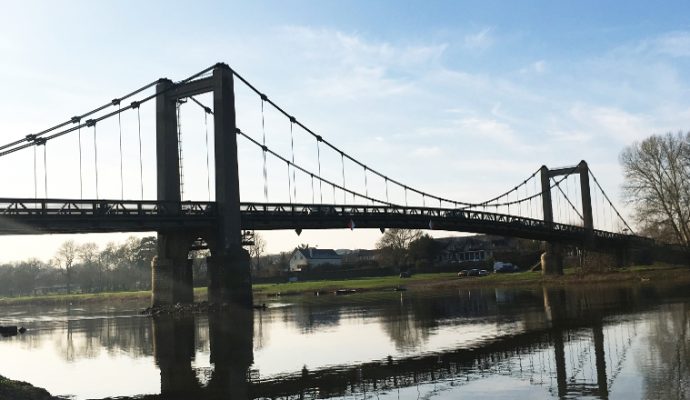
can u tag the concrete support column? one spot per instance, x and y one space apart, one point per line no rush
213 270
552 260
547 207
231 262
171 272
229 278
588 221
183 285
161 282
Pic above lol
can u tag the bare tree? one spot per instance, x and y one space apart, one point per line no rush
395 243
64 259
257 250
657 183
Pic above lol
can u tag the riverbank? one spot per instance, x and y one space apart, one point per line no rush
637 274
18 390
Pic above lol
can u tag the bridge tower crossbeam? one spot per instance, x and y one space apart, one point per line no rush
229 280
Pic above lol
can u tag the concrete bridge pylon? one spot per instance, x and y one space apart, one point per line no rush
552 258
229 279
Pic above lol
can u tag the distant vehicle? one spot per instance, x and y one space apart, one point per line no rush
473 272
505 267
405 274
483 272
462 273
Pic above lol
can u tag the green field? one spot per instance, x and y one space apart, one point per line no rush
416 282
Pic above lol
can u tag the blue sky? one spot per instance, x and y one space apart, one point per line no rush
458 98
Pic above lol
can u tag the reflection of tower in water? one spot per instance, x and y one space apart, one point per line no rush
173 349
581 362
231 341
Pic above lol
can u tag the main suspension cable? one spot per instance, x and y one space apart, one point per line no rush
337 150
568 199
29 138
321 179
6 150
610 202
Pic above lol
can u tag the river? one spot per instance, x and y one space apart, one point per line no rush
595 342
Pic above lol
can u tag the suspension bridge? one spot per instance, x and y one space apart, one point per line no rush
324 188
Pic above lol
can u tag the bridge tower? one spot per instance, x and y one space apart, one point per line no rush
552 259
228 266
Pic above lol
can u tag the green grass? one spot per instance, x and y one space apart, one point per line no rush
385 282
418 281
78 298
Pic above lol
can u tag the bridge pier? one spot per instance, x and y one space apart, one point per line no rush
552 260
171 271
229 278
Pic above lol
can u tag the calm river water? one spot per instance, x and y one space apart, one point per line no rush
595 342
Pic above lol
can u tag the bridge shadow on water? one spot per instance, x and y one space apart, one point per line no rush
572 343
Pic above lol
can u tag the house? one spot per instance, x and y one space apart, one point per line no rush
359 257
311 258
475 248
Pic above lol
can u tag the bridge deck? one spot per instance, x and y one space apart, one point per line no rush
45 216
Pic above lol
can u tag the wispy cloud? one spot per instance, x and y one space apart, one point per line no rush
674 44
613 122
481 40
427 151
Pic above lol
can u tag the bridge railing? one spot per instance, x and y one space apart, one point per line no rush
270 213
434 214
59 207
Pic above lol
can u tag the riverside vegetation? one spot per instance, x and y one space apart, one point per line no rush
572 276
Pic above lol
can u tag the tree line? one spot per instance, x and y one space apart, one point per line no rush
83 267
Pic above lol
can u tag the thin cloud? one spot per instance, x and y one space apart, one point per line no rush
674 44
613 122
481 40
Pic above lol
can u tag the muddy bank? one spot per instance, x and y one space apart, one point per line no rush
17 390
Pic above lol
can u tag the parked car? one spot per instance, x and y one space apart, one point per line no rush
473 272
405 274
462 273
505 267
483 272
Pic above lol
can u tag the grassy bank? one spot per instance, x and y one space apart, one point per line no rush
16 390
416 282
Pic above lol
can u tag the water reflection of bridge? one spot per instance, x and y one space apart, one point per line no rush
575 353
